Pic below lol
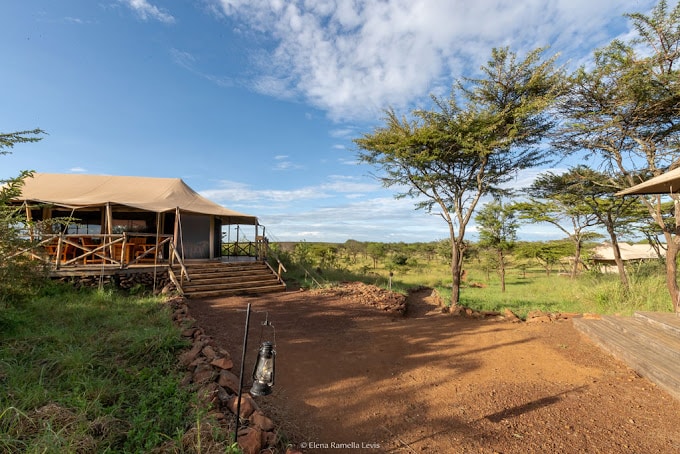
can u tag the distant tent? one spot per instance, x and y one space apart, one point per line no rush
605 252
603 255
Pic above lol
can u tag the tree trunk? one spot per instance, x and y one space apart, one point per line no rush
617 257
456 255
671 247
577 258
501 264
671 273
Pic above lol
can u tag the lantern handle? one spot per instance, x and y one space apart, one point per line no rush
266 322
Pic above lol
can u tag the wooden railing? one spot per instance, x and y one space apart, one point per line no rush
121 250
257 249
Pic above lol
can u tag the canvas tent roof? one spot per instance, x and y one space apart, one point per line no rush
628 252
667 183
151 194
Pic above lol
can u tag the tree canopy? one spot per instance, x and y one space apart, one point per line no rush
470 144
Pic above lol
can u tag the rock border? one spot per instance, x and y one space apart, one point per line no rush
207 369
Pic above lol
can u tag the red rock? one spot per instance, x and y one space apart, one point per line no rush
203 374
223 363
535 314
590 316
248 405
187 357
258 419
218 415
250 440
189 332
198 361
228 380
209 353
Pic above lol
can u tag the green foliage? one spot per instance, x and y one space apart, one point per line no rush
90 371
20 277
470 144
497 226
546 254
399 260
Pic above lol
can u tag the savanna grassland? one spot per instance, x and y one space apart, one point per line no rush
530 284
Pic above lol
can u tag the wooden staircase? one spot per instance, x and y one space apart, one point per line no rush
209 279
649 342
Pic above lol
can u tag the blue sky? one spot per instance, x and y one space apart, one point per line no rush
254 103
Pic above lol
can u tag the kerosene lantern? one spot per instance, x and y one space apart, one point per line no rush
263 373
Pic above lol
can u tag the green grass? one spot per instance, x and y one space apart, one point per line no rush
526 290
589 292
90 372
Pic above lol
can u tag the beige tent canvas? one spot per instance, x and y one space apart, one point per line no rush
142 206
667 183
158 195
605 252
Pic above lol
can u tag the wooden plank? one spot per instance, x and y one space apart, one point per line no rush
665 320
654 364
648 334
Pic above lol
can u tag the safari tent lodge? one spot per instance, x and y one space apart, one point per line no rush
116 224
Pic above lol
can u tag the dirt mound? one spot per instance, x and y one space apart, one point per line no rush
370 295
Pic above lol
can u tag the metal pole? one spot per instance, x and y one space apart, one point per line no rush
240 380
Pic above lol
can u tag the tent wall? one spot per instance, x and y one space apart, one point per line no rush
196 231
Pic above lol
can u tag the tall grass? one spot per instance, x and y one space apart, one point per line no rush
527 289
90 372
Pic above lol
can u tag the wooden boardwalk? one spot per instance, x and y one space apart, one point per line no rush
649 342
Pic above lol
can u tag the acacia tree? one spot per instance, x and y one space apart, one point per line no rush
470 144
498 231
624 110
18 274
551 201
618 215
376 251
546 254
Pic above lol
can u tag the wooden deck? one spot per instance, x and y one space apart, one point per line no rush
648 342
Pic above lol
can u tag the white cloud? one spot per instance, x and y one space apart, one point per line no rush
229 192
347 207
355 58
189 62
146 11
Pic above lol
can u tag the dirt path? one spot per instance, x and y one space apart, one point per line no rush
350 378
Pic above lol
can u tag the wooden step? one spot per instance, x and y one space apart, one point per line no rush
234 292
209 279
216 284
652 351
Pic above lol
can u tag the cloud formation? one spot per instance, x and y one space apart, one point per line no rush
354 58
147 11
